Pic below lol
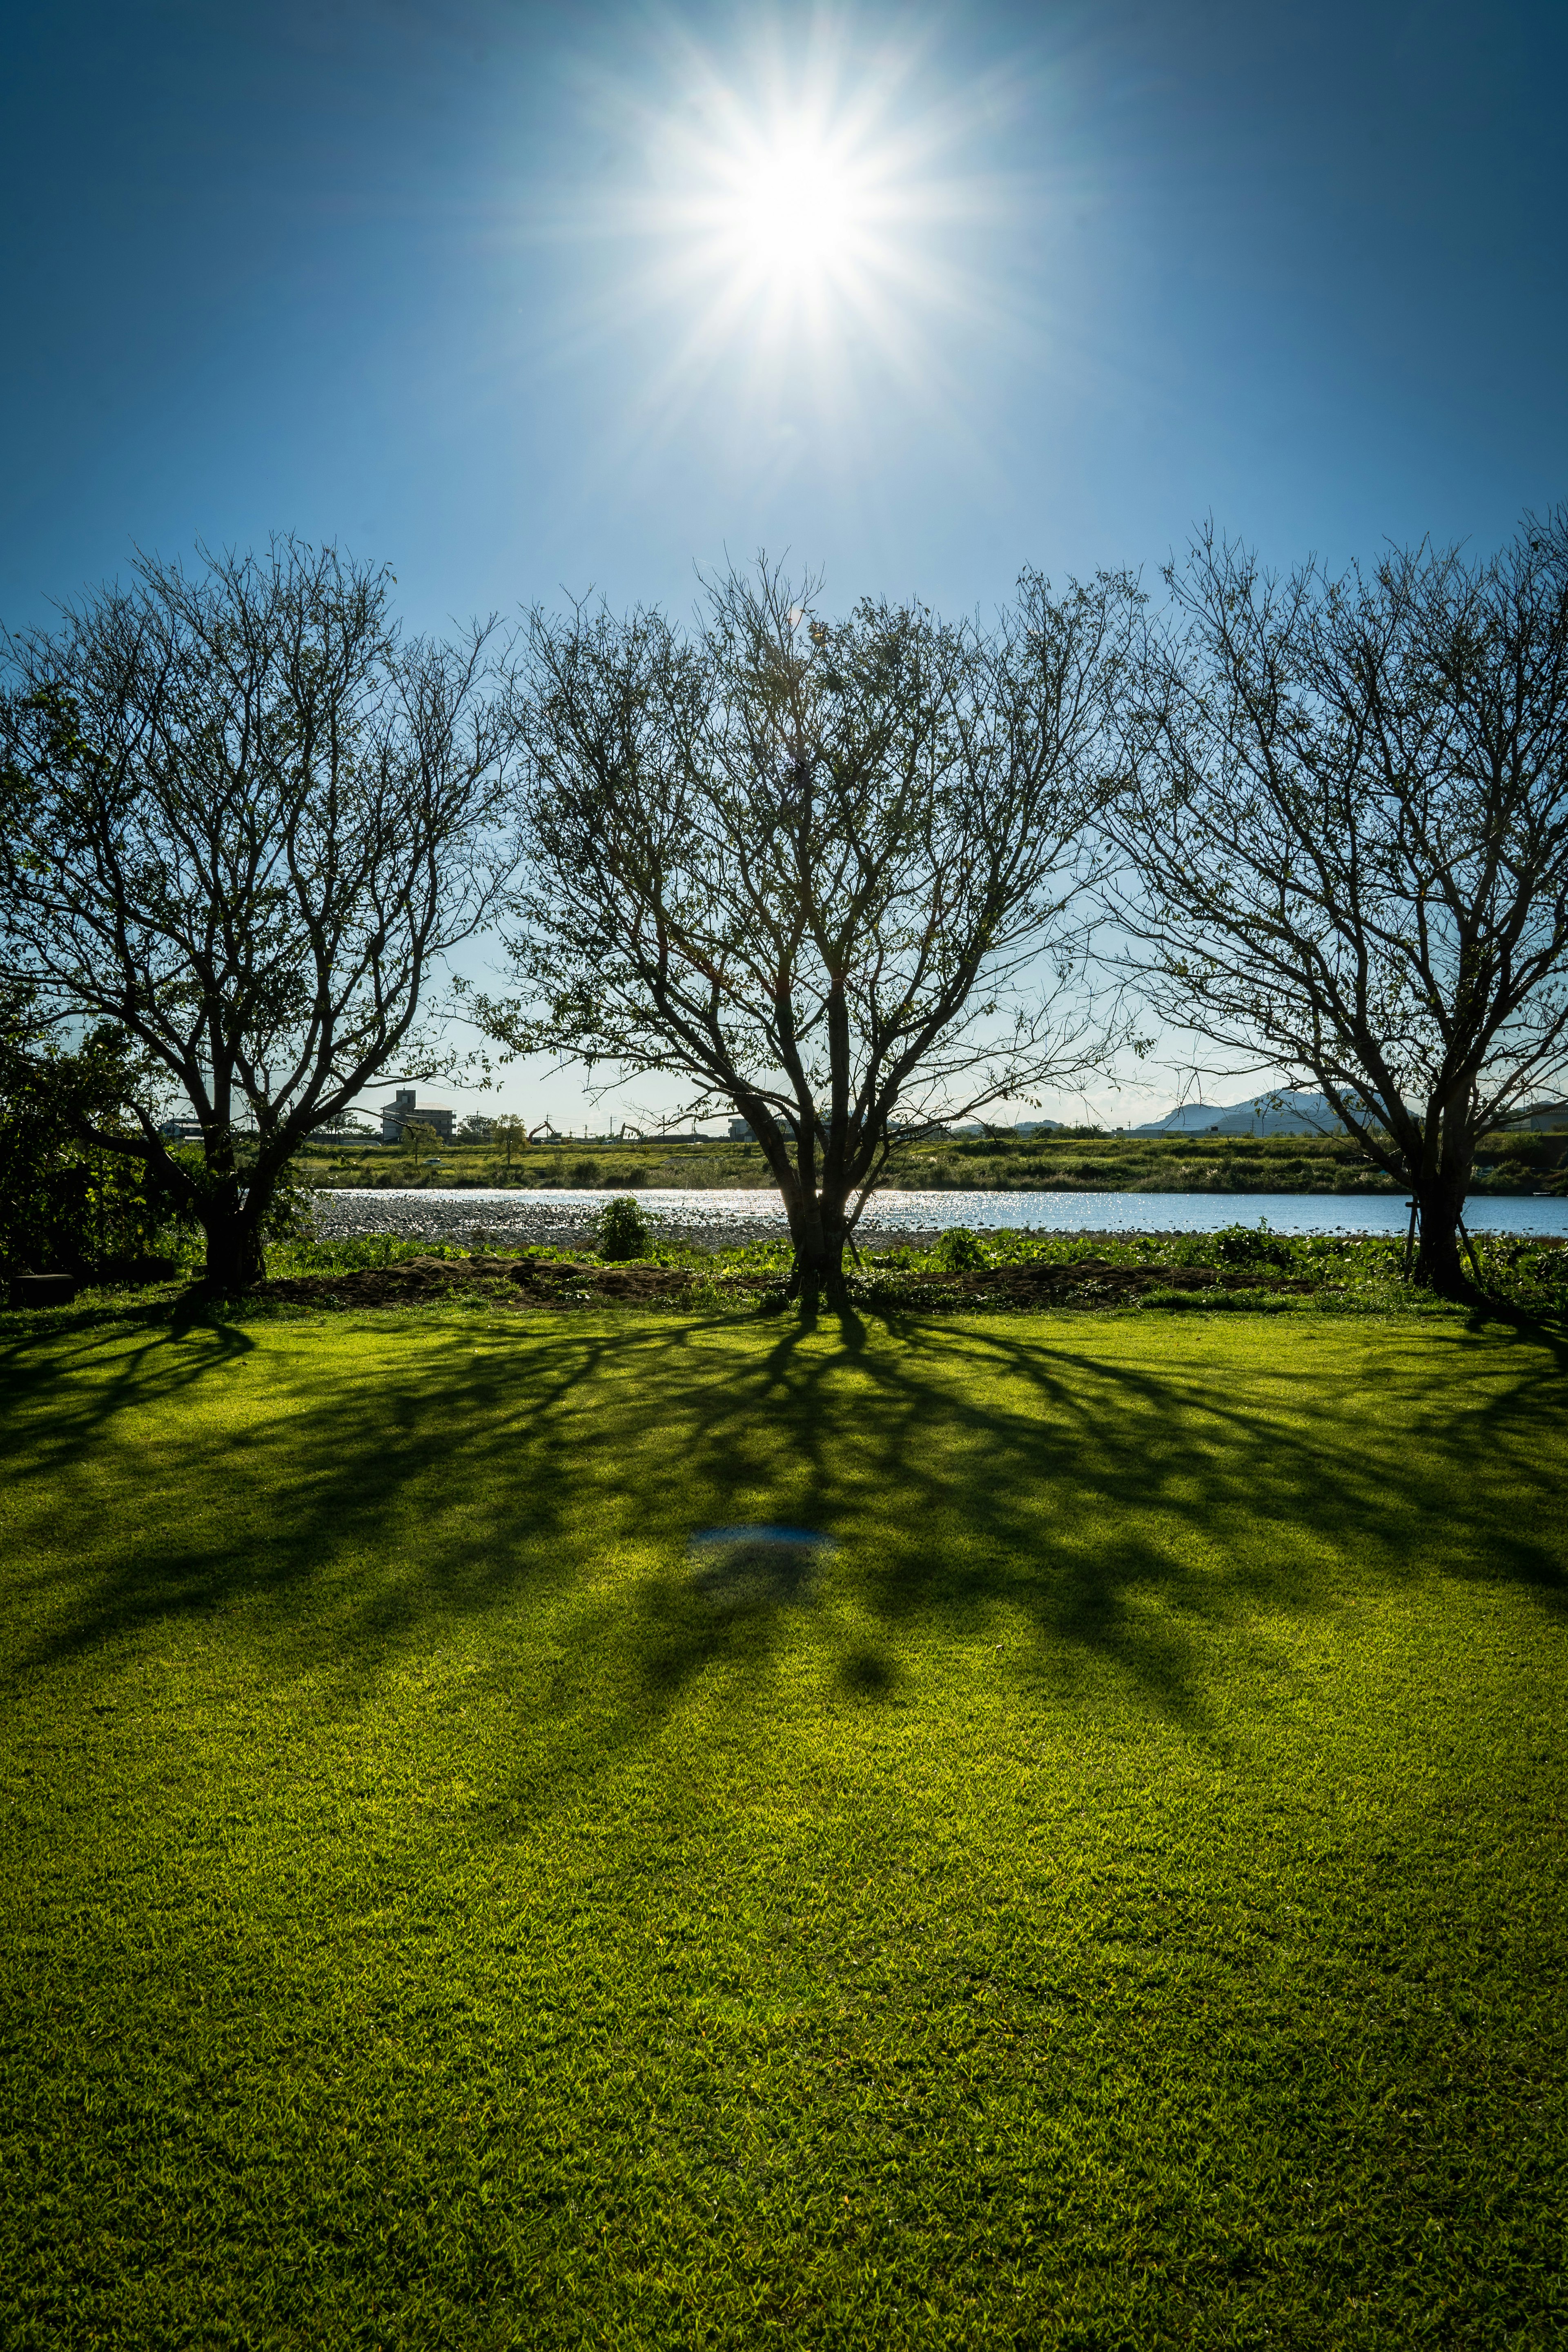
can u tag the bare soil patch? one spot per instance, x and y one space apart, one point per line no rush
510 1281
555 1282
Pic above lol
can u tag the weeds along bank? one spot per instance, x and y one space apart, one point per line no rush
1237 1270
631 1260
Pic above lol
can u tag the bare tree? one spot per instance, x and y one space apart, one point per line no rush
421 1140
511 1133
825 872
1347 814
244 821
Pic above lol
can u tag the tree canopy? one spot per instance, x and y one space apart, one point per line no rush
829 872
1346 815
244 820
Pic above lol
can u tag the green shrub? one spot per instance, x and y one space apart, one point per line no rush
583 1171
958 1251
1544 1151
1251 1246
621 1230
68 1207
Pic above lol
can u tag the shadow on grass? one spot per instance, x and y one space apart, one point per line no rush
1117 1495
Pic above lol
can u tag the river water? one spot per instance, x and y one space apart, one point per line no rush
756 1215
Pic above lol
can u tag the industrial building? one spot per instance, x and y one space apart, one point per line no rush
402 1112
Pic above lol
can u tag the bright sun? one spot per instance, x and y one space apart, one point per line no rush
795 212
806 222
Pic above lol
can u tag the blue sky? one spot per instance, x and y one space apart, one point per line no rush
428 279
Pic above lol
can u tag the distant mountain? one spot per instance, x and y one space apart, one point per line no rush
1281 1114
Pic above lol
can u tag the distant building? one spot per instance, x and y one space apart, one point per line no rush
741 1130
1545 1117
402 1112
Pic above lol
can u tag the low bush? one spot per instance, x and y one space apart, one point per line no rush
621 1230
1543 1151
1251 1246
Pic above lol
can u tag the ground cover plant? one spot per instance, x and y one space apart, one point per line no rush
1117 1901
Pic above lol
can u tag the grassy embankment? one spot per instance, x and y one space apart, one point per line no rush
1123 1906
1047 1163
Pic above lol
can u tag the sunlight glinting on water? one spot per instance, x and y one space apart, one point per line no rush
890 1214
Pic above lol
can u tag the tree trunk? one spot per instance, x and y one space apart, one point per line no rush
236 1259
1438 1264
819 1231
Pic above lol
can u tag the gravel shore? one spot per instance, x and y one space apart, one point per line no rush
504 1220
718 1220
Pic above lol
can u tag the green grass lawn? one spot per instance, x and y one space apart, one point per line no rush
1124 1905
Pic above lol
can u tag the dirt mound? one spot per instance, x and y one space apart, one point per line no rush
507 1281
576 1282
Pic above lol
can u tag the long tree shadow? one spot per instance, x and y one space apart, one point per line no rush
1121 1502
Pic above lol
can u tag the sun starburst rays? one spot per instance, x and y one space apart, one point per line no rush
802 242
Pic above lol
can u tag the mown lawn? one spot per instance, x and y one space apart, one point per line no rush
1123 1905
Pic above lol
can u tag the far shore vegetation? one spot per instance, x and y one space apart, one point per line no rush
1072 1160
